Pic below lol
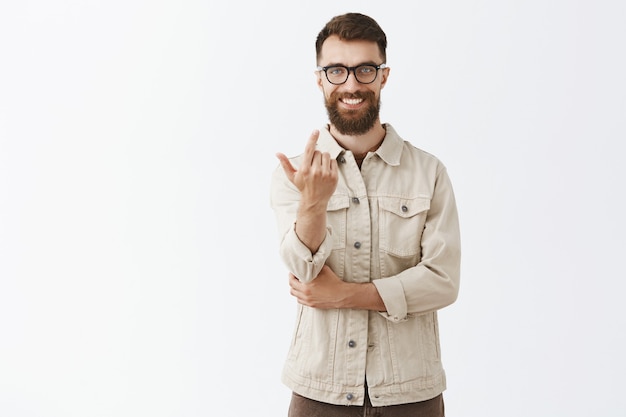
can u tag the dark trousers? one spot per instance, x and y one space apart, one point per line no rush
304 407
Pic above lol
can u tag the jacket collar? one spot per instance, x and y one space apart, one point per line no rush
389 151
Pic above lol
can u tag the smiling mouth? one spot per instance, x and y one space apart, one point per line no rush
352 101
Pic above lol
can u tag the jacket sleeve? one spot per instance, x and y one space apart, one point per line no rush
284 200
434 282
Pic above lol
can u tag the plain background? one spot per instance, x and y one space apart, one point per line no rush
139 273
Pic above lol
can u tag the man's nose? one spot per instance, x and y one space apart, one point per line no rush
352 83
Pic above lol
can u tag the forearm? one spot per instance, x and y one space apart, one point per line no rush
311 224
364 296
298 257
327 290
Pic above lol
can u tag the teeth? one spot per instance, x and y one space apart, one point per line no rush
352 100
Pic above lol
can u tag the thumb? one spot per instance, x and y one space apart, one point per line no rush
290 171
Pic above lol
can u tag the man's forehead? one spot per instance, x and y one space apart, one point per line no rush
354 52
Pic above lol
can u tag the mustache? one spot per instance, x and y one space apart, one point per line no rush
365 95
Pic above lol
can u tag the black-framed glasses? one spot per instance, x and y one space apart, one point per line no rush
364 73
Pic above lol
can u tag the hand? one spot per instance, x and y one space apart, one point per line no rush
317 176
326 291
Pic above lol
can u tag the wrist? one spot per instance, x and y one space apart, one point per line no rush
312 207
365 296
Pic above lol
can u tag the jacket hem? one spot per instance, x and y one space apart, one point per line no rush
383 395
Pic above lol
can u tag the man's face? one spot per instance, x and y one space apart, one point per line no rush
353 107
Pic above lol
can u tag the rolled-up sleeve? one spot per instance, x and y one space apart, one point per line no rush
392 294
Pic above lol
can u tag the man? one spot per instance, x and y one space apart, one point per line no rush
369 232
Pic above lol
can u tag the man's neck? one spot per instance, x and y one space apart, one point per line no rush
360 145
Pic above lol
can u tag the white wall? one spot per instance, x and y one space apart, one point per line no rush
138 265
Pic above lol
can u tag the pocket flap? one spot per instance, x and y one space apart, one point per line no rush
405 207
338 202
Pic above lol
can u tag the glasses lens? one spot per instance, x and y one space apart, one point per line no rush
365 73
337 75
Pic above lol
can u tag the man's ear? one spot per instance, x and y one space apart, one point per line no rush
318 74
385 75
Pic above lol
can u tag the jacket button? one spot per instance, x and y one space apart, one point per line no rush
349 397
342 160
404 209
352 343
355 200
357 245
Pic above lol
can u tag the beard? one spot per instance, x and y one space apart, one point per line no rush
353 122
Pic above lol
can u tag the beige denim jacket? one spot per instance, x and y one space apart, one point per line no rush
394 222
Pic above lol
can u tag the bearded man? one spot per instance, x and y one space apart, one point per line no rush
369 232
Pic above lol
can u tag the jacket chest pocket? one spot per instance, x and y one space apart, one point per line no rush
401 222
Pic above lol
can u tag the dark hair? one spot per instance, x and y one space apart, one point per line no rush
353 26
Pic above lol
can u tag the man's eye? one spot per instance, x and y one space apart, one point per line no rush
336 70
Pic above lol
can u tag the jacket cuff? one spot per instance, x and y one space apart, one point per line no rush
304 264
392 293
